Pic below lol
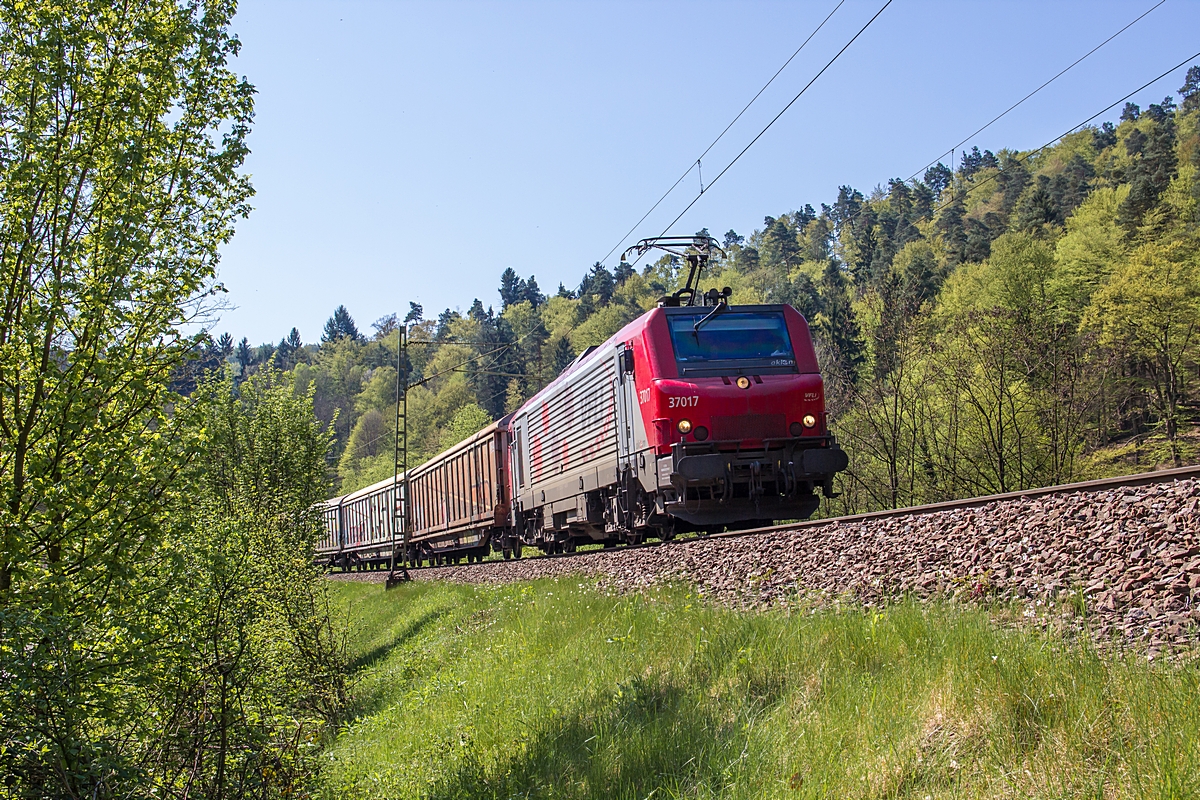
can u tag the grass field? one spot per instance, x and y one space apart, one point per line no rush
553 690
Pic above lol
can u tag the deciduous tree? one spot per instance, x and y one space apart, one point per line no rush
122 132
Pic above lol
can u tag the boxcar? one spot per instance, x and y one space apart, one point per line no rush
359 527
329 546
459 499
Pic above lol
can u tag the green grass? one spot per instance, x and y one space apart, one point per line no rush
553 690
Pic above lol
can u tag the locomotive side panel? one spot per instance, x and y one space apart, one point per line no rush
567 438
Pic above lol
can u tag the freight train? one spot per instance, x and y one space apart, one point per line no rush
697 416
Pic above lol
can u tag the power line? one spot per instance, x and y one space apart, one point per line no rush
696 163
713 182
1029 155
1004 113
962 193
1032 153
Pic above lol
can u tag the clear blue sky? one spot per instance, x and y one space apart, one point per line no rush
412 151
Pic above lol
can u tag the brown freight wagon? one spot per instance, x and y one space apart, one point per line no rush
459 500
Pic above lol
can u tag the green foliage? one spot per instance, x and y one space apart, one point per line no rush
467 421
1150 311
971 327
162 630
123 136
258 671
554 690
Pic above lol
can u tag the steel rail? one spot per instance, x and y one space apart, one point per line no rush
1102 484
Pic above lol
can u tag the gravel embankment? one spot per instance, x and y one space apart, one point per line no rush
1134 553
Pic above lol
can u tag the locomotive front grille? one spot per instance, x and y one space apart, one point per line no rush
749 426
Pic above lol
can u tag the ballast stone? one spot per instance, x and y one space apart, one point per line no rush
1128 558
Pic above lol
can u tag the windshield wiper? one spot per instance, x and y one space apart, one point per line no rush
696 325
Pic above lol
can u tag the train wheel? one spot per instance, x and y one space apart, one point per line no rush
507 554
517 550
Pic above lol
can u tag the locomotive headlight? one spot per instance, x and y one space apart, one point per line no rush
809 421
684 426
743 382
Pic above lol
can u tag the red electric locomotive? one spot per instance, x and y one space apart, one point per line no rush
692 417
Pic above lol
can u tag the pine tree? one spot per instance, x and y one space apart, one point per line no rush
802 295
294 341
923 198
1190 91
511 288
845 210
599 282
485 375
804 216
532 294
975 161
340 325
1154 164
225 345
953 230
415 313
1012 180
838 324
444 320
622 273
779 244
562 355
244 356
1104 136
283 354
938 178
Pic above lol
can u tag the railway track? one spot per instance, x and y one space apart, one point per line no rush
1103 484
1118 556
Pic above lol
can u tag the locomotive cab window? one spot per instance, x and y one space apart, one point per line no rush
732 341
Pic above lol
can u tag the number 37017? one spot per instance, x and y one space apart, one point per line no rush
683 402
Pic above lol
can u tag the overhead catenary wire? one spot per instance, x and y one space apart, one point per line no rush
458 368
775 119
461 364
933 212
987 125
1062 72
960 194
696 163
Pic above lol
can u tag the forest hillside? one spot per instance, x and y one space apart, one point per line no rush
1027 318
